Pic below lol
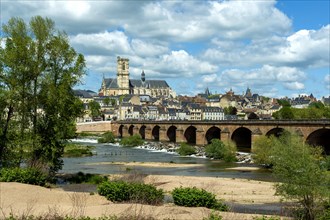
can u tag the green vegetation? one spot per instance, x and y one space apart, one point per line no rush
262 150
132 141
218 150
314 111
94 108
23 175
77 150
38 70
230 110
213 216
107 137
283 102
80 177
301 170
193 197
186 149
120 191
87 134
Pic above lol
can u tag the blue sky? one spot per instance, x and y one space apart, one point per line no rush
277 48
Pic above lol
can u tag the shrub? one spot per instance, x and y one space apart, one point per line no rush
120 191
77 150
80 177
132 141
186 149
218 150
27 175
193 197
107 137
213 216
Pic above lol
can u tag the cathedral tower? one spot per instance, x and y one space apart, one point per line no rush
123 75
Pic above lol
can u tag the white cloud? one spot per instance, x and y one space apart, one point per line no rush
105 43
327 82
305 49
265 78
146 49
294 85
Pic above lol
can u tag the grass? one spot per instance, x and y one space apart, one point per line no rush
77 150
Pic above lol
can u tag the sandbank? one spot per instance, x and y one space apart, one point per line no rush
22 199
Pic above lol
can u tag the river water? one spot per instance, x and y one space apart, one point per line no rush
107 154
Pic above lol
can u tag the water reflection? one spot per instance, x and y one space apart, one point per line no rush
108 154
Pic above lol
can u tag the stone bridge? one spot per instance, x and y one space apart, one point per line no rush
242 132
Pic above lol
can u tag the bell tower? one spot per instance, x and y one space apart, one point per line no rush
123 75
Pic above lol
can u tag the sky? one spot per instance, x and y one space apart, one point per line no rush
276 48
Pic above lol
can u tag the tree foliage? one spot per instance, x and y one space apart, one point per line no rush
230 110
39 68
316 111
219 150
300 170
95 108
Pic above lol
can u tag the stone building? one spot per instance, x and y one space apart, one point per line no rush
123 85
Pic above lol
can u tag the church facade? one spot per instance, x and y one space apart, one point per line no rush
123 85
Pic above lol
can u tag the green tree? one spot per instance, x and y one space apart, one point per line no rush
299 169
38 71
283 102
106 101
230 110
113 102
95 108
219 150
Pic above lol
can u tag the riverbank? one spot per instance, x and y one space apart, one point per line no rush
78 200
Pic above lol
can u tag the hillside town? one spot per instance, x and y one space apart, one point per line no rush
123 98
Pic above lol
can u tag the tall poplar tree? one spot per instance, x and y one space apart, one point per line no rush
38 70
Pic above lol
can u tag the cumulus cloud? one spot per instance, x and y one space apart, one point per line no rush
294 85
265 77
304 49
217 43
105 43
327 82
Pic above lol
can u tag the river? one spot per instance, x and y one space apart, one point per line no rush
106 155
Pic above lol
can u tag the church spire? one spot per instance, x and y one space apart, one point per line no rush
143 76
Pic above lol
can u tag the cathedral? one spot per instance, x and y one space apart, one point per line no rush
123 85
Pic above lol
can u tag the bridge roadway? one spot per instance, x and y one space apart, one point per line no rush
242 132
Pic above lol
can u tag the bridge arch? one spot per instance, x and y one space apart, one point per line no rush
155 132
142 132
320 137
277 132
171 133
131 130
120 131
212 133
190 134
242 137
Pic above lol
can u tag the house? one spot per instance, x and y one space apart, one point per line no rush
195 111
213 113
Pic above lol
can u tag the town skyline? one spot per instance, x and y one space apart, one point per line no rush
272 47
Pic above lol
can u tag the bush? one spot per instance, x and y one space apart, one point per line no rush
262 150
120 191
186 149
132 141
213 216
77 150
80 177
27 175
218 150
107 137
193 197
